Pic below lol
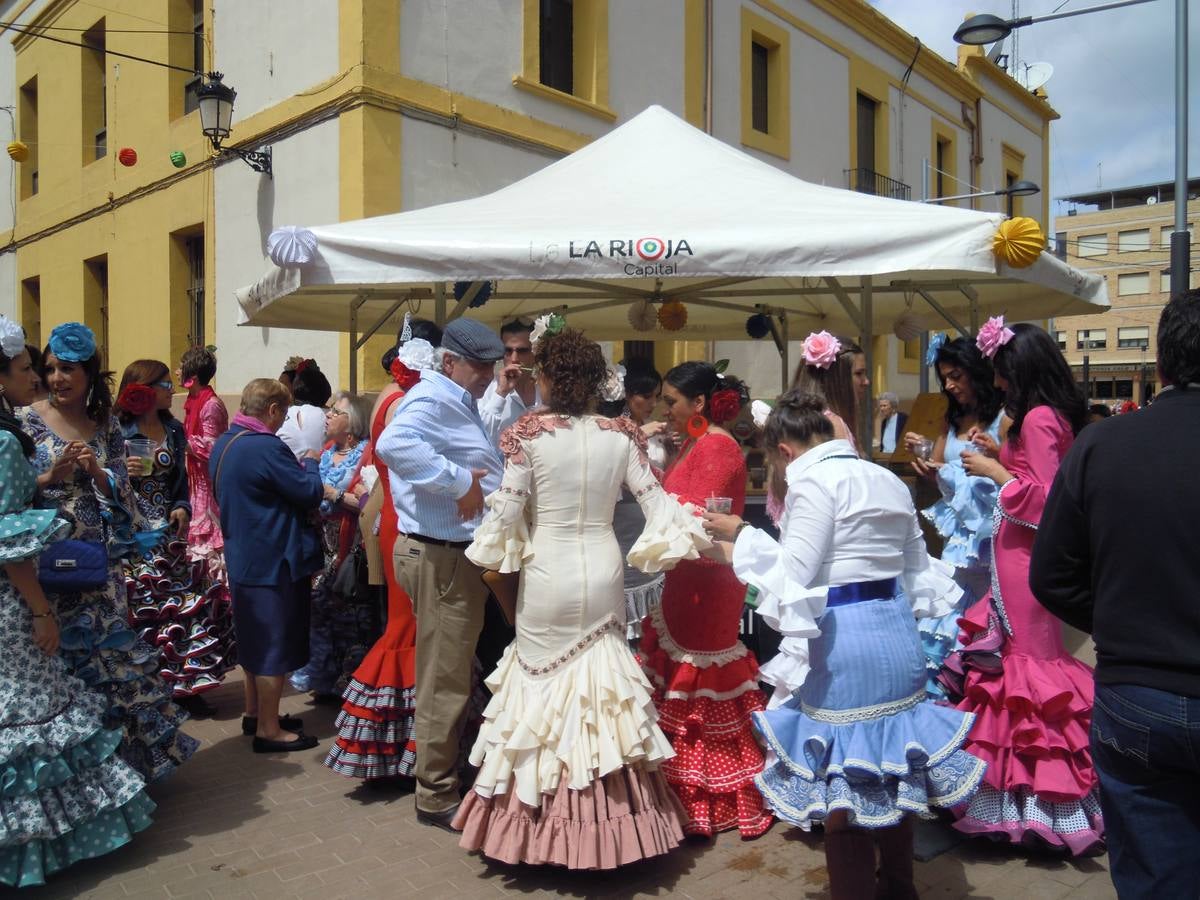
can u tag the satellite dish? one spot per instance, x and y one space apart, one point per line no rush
996 51
1035 75
1150 201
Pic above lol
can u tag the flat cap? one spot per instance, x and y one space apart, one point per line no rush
469 339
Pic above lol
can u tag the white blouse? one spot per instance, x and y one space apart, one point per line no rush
303 429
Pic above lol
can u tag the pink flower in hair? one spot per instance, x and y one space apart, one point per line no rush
821 349
992 336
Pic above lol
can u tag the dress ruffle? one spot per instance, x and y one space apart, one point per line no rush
963 516
24 535
704 702
673 532
627 815
639 601
581 717
1032 726
500 546
375 732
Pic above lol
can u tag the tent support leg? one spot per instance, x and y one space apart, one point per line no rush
439 304
354 305
867 338
954 323
973 298
783 352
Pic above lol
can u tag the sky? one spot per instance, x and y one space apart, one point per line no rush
1113 83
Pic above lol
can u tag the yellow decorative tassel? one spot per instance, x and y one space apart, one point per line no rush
18 151
672 315
1019 242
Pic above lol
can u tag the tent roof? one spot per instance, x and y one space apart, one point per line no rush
658 209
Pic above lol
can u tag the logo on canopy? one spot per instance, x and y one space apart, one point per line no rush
648 255
650 248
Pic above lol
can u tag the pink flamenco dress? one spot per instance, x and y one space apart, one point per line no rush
705 680
1031 699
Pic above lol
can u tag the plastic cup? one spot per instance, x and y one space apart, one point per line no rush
138 455
923 449
719 505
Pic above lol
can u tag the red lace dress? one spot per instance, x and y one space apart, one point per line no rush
375 726
705 680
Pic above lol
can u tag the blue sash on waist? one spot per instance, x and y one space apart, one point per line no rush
845 594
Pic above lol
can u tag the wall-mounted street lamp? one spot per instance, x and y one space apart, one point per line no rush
216 117
1016 189
985 29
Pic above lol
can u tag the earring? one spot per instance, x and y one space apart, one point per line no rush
697 425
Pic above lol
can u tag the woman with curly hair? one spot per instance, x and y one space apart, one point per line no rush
569 752
170 596
705 680
80 455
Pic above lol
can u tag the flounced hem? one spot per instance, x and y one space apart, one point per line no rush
351 726
628 815
369 760
39 770
588 716
899 744
870 802
674 663
30 864
963 547
1024 818
25 743
497 546
639 601
711 813
385 679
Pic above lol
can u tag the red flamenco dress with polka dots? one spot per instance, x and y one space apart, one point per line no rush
705 680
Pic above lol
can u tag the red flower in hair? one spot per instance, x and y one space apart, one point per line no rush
137 399
302 365
403 375
724 406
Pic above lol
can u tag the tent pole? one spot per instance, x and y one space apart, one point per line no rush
973 297
354 305
942 312
867 338
439 304
783 351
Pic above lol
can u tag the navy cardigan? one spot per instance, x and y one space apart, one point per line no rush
266 498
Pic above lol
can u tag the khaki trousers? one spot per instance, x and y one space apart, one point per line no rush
448 599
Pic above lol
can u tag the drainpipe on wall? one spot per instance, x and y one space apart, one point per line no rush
976 128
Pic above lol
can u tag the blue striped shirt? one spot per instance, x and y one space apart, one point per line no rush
430 447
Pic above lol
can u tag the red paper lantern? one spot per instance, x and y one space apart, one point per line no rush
127 156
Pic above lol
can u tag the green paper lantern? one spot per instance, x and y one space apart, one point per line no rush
178 160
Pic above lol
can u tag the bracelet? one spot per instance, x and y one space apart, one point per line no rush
742 524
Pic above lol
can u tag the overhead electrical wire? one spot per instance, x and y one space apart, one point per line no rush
20 29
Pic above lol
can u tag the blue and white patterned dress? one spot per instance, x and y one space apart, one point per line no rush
97 643
66 795
963 517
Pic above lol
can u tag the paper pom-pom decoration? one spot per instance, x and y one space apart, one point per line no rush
18 151
672 315
1019 242
178 159
908 326
642 315
127 156
485 292
758 326
291 246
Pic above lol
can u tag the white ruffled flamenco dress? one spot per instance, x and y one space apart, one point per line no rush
570 749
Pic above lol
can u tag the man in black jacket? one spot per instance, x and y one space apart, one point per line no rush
1117 556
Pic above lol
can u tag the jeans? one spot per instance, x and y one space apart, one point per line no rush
1146 747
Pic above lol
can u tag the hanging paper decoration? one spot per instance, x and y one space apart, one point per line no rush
127 156
1019 242
178 159
758 326
642 315
18 151
291 246
485 293
908 326
672 315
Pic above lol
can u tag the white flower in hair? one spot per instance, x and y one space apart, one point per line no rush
417 354
759 412
612 388
540 324
12 338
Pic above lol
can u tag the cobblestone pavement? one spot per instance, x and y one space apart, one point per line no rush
232 824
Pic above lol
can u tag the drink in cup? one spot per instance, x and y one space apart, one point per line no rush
139 457
923 449
719 505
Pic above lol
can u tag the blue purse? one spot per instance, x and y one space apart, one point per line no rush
69 567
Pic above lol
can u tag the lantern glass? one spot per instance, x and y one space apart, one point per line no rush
216 109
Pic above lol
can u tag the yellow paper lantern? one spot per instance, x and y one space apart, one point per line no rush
1019 242
18 151
672 315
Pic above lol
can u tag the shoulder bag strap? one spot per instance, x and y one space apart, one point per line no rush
221 458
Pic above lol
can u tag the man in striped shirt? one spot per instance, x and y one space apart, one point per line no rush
441 464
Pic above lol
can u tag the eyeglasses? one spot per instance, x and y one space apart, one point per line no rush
334 411
166 385
517 351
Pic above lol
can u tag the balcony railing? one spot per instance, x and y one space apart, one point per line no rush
868 181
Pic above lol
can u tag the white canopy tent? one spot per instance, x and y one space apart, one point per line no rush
658 210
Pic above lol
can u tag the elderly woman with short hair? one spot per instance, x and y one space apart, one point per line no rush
339 634
271 553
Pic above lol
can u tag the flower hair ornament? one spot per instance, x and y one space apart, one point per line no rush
936 343
405 330
12 338
612 388
760 410
992 336
414 356
72 342
137 399
821 349
724 405
548 325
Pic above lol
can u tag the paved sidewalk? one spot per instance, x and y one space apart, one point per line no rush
232 824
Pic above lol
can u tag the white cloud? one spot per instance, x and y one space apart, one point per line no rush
1113 83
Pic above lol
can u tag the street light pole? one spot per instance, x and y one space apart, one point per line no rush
1180 239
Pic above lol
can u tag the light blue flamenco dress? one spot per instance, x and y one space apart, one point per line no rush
963 517
849 727
65 793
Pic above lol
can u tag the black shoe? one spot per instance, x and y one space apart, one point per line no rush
197 707
303 742
287 723
440 820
